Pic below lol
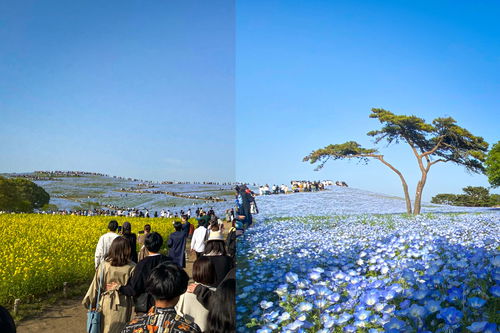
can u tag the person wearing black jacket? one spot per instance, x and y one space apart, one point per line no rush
132 238
136 285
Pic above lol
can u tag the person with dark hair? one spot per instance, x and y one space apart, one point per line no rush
101 250
215 251
186 226
189 306
199 237
166 284
7 324
116 268
132 238
221 316
142 237
243 202
136 285
177 245
231 241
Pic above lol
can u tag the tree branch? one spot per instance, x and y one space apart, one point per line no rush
433 150
436 161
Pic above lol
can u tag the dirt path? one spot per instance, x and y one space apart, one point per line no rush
69 315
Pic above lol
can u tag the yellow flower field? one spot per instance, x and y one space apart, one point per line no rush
40 252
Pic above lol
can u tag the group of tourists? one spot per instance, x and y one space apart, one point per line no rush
156 284
295 186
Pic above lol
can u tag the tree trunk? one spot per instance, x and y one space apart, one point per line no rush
418 194
407 196
403 182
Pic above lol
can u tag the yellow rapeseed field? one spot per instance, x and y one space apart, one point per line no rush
40 252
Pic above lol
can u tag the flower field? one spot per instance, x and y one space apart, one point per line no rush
40 252
370 273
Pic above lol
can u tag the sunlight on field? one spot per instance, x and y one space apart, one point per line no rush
40 252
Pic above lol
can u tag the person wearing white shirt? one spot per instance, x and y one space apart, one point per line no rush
104 243
198 240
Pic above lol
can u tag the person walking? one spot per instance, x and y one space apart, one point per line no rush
177 245
137 285
198 240
132 238
215 251
188 305
116 268
166 283
104 243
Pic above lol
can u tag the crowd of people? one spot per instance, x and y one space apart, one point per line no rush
138 287
298 186
155 285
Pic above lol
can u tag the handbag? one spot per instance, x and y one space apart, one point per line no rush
94 316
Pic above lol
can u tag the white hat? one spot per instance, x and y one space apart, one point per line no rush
215 235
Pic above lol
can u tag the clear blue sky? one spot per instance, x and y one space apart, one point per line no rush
308 73
210 90
131 88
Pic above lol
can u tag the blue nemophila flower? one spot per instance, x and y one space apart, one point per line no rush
294 325
362 315
327 321
491 328
495 261
495 290
321 303
477 326
291 277
432 306
304 307
315 276
371 298
395 324
344 318
350 328
265 305
417 311
450 315
476 302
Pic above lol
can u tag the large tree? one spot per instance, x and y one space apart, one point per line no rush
431 143
493 165
21 195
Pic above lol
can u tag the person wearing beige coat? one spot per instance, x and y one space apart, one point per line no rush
116 308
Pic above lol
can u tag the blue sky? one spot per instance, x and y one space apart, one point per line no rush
138 88
213 90
308 73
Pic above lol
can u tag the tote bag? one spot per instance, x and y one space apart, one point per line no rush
94 316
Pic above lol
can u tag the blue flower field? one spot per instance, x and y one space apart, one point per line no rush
349 261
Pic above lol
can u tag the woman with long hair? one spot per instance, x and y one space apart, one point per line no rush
221 314
215 251
116 268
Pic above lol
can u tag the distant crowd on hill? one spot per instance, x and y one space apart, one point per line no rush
210 198
131 212
298 186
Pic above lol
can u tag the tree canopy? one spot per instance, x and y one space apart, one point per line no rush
493 165
473 196
21 195
440 141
